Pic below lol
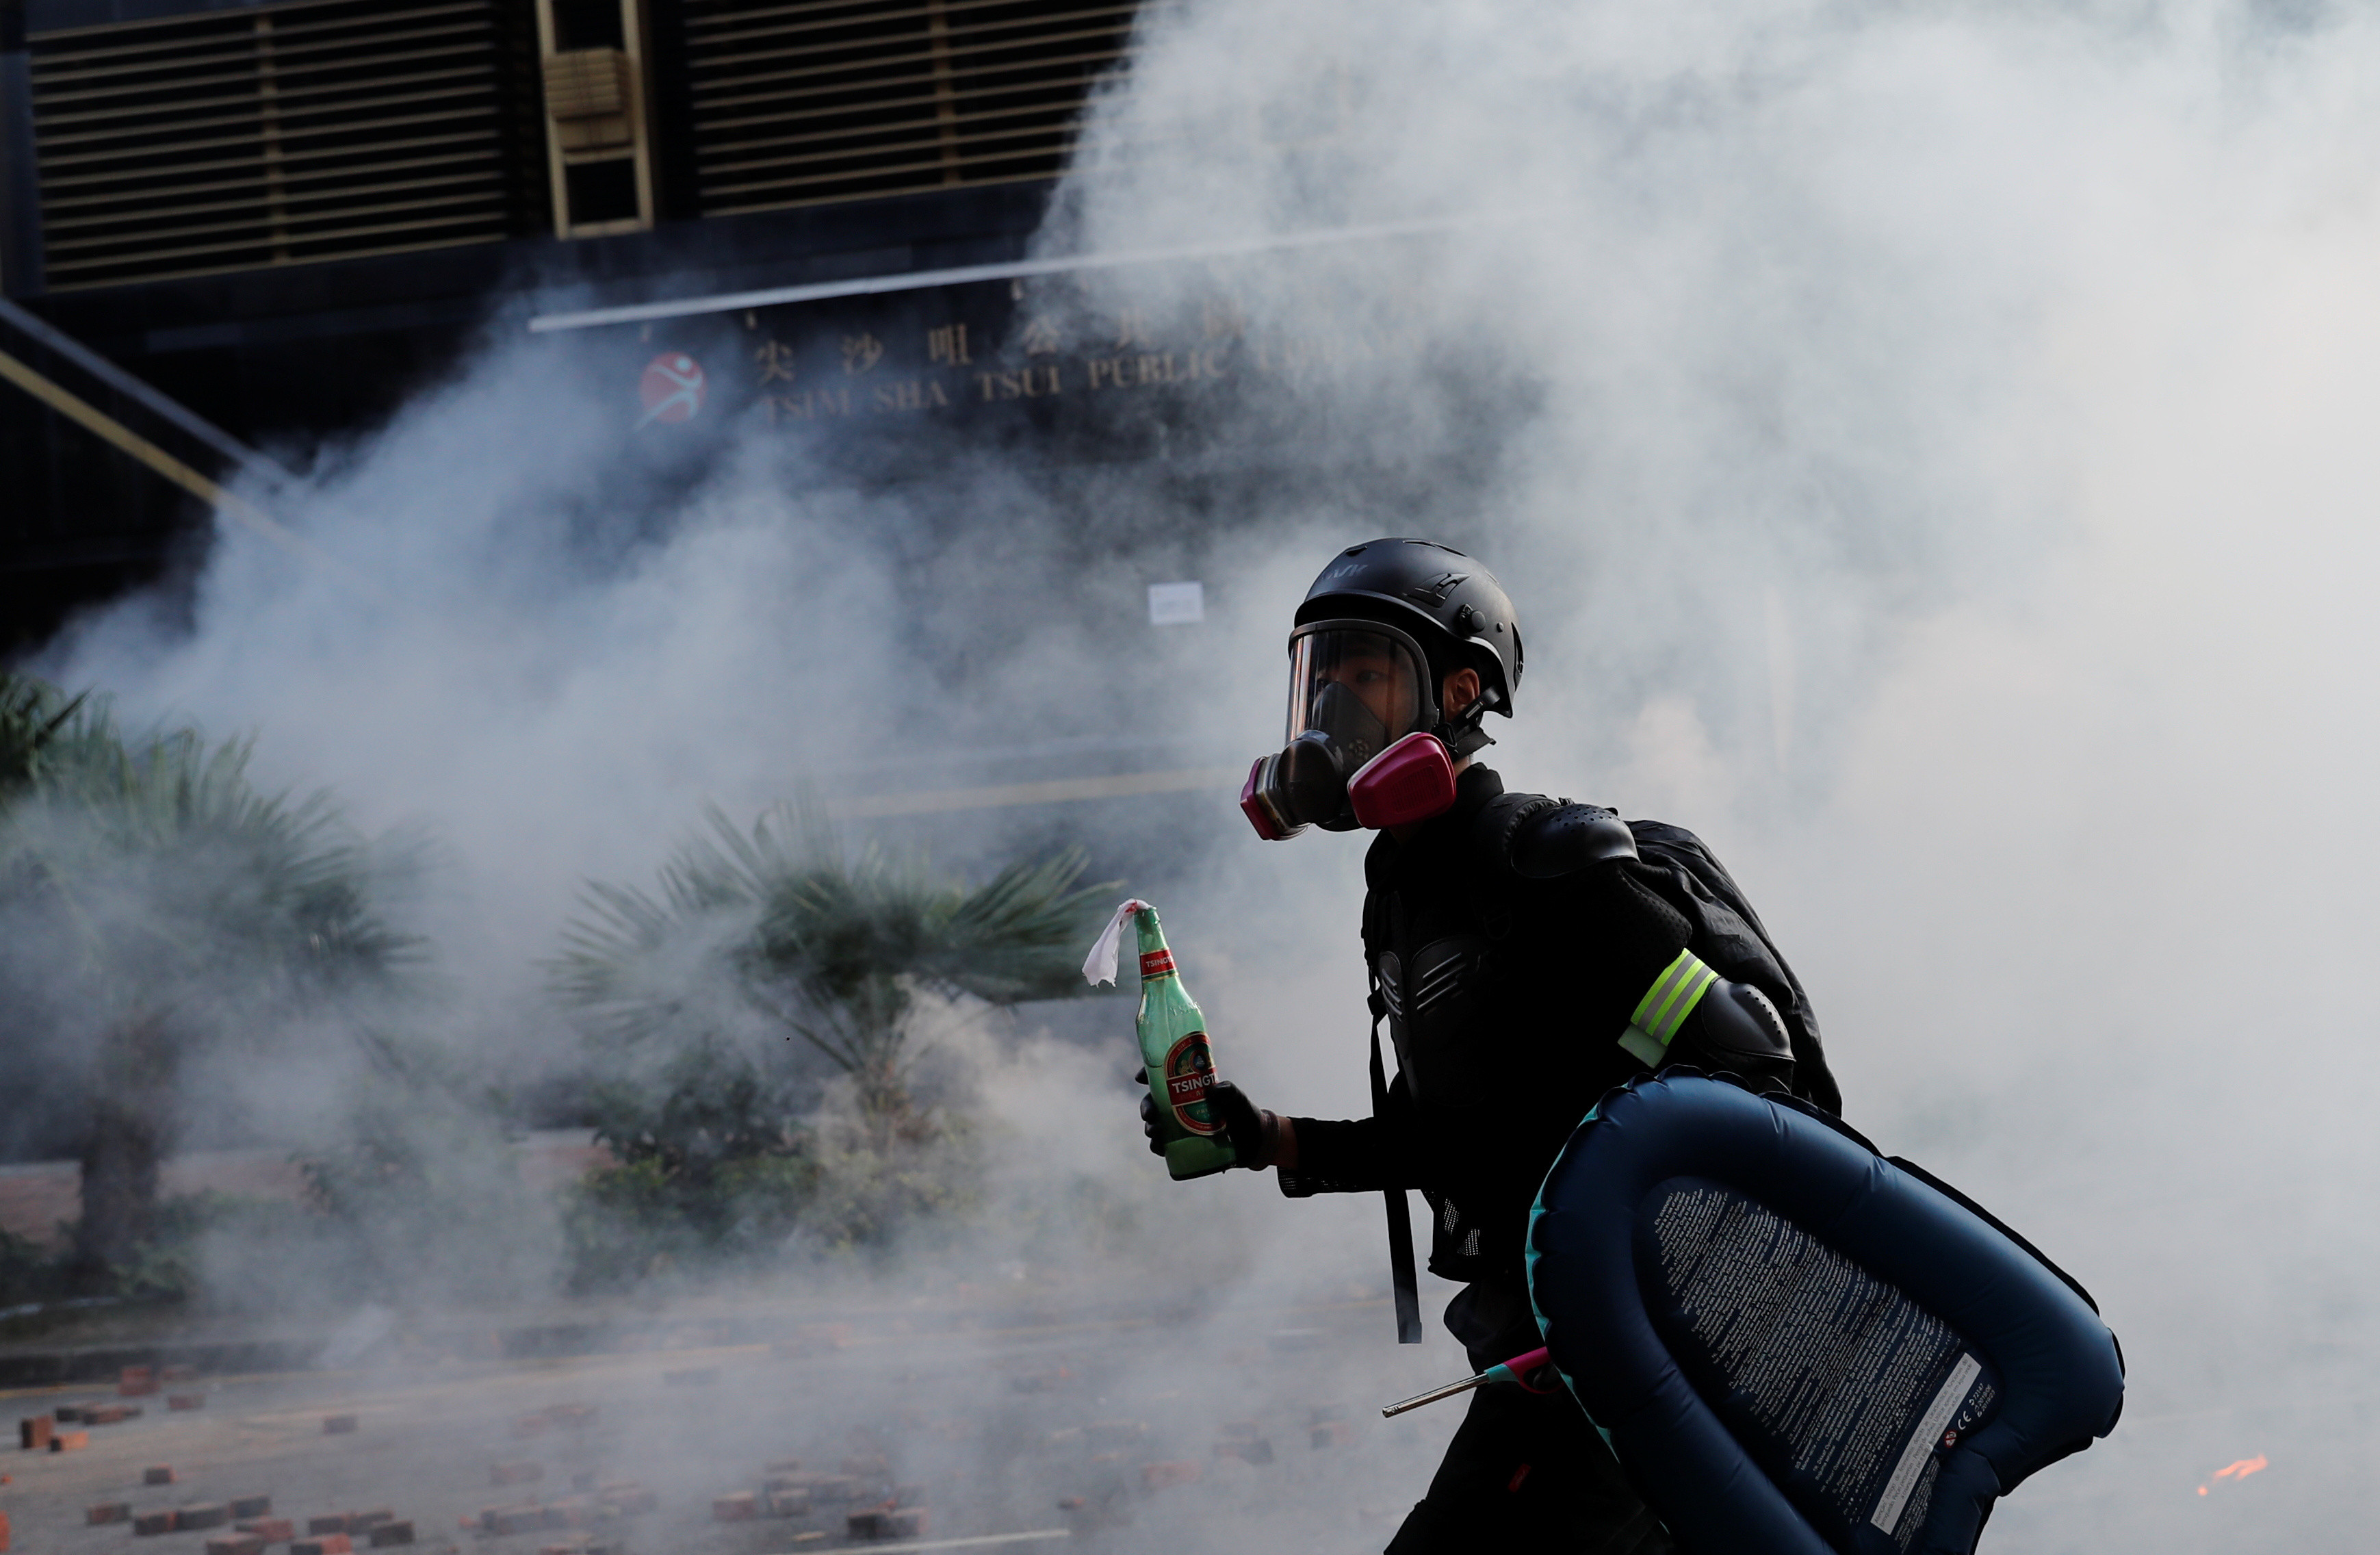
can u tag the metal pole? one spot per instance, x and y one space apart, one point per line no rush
1434 1396
80 411
160 405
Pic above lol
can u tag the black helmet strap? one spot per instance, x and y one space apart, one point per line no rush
1464 734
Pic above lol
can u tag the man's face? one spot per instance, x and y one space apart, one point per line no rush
1378 674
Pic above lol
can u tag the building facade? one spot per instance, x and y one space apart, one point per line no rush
285 217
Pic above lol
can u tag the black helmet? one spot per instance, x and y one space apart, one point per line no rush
1452 607
1374 642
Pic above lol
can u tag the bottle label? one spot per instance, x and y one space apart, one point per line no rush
1156 964
1189 1069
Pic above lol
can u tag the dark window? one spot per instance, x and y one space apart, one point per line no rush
601 192
588 24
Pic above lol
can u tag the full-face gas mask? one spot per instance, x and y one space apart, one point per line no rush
1361 748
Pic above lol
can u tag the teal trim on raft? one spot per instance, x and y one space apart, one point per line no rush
1529 1273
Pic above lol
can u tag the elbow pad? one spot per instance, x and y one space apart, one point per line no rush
1693 1015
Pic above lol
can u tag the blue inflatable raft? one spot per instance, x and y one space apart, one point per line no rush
1794 1345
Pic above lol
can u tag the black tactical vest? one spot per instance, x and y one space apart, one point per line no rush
1505 1022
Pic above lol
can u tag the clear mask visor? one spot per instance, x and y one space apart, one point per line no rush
1361 690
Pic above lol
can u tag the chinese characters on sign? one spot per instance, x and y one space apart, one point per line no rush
948 346
775 362
1033 355
861 353
1040 337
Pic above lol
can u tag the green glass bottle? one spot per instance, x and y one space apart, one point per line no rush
1181 1064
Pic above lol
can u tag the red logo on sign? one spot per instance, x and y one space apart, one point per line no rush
1156 964
671 389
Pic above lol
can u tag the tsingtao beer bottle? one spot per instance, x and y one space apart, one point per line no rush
1181 1064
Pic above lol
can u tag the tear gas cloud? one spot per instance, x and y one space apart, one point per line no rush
1925 445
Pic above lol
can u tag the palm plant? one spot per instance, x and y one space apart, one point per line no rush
833 948
161 902
33 714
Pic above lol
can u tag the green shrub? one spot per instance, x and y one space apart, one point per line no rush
710 999
28 1274
713 1167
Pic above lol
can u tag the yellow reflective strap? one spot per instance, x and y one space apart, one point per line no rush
1688 1000
1658 998
1664 993
1643 1048
1672 1015
1672 998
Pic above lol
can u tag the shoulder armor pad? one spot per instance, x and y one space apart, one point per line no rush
1562 837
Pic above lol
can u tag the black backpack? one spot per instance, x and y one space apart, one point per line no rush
1728 936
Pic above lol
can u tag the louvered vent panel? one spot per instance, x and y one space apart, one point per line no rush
279 135
803 102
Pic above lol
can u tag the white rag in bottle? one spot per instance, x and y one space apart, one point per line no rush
1099 966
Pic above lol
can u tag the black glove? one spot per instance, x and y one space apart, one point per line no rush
1250 1130
1147 1111
1254 1133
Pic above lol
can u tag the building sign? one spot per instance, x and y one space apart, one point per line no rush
989 357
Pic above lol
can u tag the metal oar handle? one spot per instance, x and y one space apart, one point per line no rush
1517 1369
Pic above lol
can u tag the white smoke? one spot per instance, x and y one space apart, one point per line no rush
1928 447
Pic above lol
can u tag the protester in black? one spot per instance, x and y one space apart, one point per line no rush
1527 955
